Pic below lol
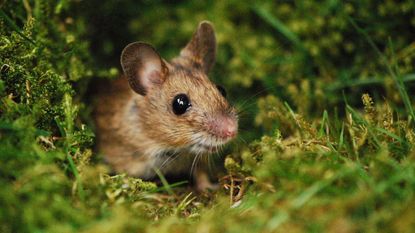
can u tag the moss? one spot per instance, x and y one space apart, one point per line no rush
326 135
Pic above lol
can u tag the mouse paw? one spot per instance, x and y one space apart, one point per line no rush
203 183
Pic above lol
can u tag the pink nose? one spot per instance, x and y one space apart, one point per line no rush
224 127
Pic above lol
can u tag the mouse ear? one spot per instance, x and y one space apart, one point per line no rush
143 67
200 52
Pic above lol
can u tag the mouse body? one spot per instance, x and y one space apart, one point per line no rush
164 115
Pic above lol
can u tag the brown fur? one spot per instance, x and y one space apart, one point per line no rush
137 127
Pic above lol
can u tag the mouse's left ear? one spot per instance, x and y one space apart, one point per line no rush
200 52
143 66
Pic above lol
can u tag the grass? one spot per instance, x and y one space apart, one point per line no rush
326 140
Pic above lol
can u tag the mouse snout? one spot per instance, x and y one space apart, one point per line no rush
229 127
223 126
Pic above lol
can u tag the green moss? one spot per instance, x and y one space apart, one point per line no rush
326 128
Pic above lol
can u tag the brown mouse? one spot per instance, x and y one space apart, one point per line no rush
165 115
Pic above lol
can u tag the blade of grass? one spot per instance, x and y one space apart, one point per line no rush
390 134
397 80
276 221
11 24
362 121
400 84
394 180
290 110
307 194
279 26
74 170
177 184
365 82
163 180
184 203
72 165
324 123
341 137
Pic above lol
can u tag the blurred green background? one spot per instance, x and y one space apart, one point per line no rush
326 126
286 47
311 55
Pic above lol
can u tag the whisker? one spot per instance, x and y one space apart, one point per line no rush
255 95
193 164
170 160
242 139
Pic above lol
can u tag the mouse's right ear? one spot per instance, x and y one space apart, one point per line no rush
143 67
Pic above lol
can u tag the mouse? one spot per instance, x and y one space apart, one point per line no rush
164 116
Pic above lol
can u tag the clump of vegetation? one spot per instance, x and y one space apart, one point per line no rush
331 131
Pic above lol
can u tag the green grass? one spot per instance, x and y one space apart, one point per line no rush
326 138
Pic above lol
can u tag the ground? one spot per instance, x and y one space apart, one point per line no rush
326 117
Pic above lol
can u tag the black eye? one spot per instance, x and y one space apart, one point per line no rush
221 90
180 104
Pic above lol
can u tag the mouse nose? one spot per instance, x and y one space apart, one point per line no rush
229 127
224 127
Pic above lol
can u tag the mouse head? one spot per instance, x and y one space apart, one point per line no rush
181 108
